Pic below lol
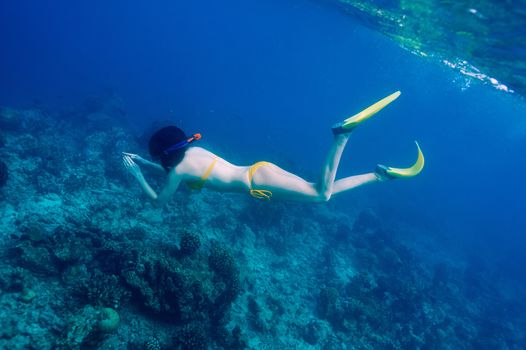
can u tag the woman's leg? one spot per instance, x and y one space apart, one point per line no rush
352 182
328 173
289 186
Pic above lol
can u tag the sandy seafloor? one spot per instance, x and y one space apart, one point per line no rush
88 263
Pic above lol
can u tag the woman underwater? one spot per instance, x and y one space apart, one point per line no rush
198 167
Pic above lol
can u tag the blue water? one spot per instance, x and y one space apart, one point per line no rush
266 80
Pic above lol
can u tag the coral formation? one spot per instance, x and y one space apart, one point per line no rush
222 262
152 343
329 307
109 320
27 295
191 337
103 290
190 243
83 329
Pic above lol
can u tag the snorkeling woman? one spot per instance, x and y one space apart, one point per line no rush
198 167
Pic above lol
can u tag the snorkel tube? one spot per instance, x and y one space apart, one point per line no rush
182 144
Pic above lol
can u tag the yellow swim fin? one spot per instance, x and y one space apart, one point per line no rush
350 123
393 173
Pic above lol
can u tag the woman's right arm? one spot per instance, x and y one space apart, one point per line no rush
141 160
158 199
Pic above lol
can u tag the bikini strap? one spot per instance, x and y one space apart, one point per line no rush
208 170
261 194
197 185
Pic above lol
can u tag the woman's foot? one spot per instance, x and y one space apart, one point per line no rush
384 173
350 123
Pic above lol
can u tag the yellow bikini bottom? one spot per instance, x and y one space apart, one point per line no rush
259 194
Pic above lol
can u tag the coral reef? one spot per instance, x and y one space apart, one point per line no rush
329 307
152 343
191 337
87 264
103 290
190 243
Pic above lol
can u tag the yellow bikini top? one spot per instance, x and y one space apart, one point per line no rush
198 184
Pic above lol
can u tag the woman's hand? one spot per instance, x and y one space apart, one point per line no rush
135 157
141 160
131 166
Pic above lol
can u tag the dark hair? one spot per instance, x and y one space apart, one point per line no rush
161 140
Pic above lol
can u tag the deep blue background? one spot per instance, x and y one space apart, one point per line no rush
266 79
